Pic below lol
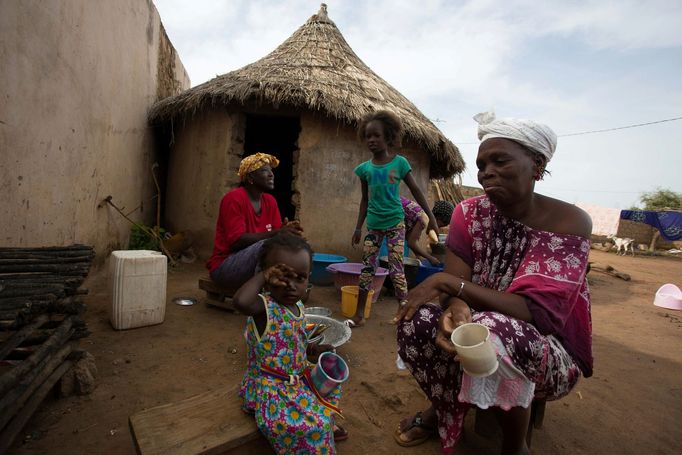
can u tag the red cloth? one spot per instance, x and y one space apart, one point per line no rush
237 217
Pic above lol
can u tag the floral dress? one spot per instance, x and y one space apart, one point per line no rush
275 389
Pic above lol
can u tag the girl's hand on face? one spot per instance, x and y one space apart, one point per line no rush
455 315
279 275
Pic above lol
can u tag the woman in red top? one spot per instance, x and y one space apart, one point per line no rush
247 217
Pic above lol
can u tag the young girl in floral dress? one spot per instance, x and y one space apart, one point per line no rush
276 386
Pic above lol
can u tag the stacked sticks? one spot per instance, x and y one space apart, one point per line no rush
41 307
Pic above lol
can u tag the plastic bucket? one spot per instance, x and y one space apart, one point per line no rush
319 275
348 274
349 301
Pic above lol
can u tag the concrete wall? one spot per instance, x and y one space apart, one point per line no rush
205 157
76 80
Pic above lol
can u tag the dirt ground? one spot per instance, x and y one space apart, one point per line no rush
632 404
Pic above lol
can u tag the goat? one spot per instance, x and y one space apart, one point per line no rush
625 243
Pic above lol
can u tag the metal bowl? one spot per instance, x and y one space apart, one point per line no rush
184 301
337 333
319 311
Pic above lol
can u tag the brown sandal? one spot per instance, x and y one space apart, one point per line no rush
340 434
418 422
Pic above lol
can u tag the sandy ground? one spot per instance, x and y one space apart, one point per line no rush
632 404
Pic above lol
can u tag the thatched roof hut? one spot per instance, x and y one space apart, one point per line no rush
301 103
316 69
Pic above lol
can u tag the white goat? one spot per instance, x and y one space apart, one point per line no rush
625 243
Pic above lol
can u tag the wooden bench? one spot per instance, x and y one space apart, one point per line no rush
486 424
210 423
217 296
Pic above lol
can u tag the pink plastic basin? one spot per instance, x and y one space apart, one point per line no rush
669 296
348 274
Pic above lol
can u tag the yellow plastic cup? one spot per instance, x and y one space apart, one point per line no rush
349 301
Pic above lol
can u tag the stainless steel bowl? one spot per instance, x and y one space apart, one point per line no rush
319 311
184 301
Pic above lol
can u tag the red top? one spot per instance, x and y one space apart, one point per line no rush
237 217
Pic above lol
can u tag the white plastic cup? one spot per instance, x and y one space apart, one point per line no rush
475 349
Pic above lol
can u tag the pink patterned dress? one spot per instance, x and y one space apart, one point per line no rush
541 360
287 411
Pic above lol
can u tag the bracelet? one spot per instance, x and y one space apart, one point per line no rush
461 288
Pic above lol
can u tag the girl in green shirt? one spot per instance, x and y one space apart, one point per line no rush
380 180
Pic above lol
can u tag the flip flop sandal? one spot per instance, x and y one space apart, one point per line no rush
350 323
416 422
340 434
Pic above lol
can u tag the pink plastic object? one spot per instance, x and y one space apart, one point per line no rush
669 296
348 274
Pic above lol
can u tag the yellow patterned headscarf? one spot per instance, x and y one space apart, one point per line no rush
254 162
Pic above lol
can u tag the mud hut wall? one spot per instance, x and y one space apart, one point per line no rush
203 167
328 190
642 233
74 118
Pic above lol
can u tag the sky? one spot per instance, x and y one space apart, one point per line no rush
576 66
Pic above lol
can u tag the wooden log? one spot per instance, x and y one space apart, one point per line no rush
19 337
47 249
31 291
77 269
9 433
63 333
20 259
609 270
13 400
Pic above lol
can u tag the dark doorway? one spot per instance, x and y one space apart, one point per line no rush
277 136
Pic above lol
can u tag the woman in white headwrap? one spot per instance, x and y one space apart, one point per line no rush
516 263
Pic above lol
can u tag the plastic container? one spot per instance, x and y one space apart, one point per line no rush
426 270
137 280
330 371
348 274
475 349
320 276
383 250
410 266
349 302
669 296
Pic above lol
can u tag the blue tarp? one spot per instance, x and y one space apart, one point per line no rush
669 224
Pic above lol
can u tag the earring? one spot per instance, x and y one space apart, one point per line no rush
539 174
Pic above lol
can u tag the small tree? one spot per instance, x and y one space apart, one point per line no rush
660 199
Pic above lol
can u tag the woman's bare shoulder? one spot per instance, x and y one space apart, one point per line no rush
565 218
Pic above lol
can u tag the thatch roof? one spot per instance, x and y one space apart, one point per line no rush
316 69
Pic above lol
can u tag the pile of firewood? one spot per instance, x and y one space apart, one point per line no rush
41 308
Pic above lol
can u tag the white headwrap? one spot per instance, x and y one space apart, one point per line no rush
537 137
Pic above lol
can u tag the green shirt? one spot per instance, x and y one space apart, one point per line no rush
384 209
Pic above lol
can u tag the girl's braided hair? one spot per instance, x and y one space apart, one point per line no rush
393 127
283 240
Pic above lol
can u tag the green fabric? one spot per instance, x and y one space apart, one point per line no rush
384 209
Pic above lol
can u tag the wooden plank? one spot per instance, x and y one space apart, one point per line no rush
225 304
209 423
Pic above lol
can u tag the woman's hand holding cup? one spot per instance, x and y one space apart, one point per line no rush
456 314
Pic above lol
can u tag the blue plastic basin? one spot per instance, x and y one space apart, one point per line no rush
426 270
320 276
